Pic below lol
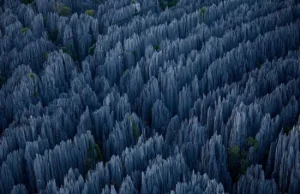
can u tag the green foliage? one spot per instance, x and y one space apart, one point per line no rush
251 142
170 3
134 126
98 152
94 151
45 55
134 53
124 72
202 12
65 11
90 12
234 152
237 158
236 162
94 155
23 30
36 93
31 75
67 51
87 165
162 4
156 47
135 129
53 35
92 49
133 1
27 1
62 9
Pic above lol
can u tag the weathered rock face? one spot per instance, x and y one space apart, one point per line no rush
254 182
146 96
286 161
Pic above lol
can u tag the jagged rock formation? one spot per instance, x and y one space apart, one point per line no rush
147 96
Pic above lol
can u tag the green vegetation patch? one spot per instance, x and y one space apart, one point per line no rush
67 51
46 56
90 12
94 155
251 142
202 12
61 9
162 4
135 129
31 75
237 162
24 30
156 47
92 49
65 11
170 3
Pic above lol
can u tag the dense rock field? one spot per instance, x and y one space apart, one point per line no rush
149 96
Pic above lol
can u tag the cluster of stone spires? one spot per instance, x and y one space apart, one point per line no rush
106 96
